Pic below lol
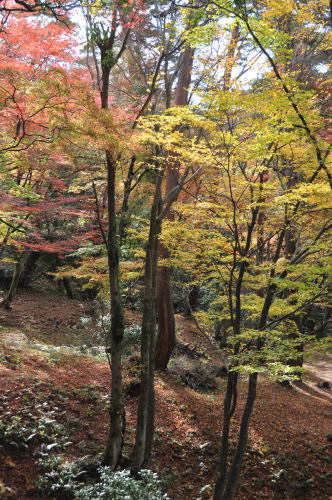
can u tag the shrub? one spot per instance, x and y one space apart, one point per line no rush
60 477
120 486
17 431
70 479
197 374
131 337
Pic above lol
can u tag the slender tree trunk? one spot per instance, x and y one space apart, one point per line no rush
6 303
68 288
230 56
229 406
228 478
114 445
166 321
234 472
145 413
125 202
192 301
113 452
108 58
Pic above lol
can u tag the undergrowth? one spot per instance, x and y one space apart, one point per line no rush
73 480
34 428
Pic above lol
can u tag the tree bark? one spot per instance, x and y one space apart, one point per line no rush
146 406
234 473
113 452
6 303
229 406
166 321
114 446
124 220
230 56
192 301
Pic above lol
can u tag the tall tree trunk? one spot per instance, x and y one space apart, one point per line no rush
227 480
230 56
166 321
234 472
124 220
229 406
113 452
145 413
290 248
115 441
6 303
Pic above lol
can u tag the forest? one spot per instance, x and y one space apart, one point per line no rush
165 249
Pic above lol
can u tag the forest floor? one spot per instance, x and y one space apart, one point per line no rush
289 455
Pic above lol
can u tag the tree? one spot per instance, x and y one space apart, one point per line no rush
106 36
32 121
162 133
261 298
166 320
221 228
235 190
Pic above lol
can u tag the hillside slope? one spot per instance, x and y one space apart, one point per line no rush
289 455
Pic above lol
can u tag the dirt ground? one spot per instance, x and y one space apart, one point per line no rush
289 455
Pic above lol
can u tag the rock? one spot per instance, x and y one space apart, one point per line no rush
91 468
82 445
222 371
14 338
5 492
132 388
324 384
204 445
285 383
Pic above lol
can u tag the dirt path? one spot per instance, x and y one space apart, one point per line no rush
319 369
